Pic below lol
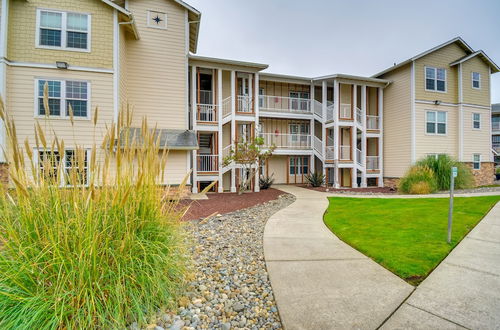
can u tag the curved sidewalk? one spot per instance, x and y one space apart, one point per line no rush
320 282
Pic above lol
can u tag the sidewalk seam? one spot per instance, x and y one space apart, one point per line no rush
439 316
472 269
396 309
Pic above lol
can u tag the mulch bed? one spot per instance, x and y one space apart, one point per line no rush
221 203
373 190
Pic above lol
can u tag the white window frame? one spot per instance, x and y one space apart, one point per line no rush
64 30
436 122
435 90
473 80
62 98
474 121
474 162
435 155
63 168
302 129
165 18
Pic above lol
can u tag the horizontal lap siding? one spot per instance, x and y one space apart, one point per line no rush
277 167
476 141
476 96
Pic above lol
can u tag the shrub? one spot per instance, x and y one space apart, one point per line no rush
441 166
96 256
266 182
418 180
315 179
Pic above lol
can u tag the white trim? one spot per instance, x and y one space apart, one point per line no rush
474 161
413 115
53 66
62 159
460 114
473 80
116 67
186 49
454 104
473 120
436 80
64 30
436 122
149 25
3 71
492 157
63 99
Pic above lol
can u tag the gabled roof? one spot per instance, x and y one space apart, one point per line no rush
459 41
484 57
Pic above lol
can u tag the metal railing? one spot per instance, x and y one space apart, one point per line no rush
244 104
226 151
284 104
345 152
318 145
358 156
226 106
288 141
329 111
318 108
359 115
372 122
207 112
345 111
372 163
330 153
208 163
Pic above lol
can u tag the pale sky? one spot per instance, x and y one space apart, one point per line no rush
360 37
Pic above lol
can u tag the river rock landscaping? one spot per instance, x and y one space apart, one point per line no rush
231 288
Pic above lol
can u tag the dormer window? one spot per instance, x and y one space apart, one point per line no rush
435 79
476 80
63 30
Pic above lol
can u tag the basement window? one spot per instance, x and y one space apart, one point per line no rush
476 161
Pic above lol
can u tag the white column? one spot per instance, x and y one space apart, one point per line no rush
233 125
311 129
194 110
460 116
381 137
324 102
336 98
354 147
256 110
363 136
219 124
3 71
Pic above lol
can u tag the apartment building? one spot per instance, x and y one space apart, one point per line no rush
358 131
495 132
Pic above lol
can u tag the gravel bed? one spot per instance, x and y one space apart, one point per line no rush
231 289
474 190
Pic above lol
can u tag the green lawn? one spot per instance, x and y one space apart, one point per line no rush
407 236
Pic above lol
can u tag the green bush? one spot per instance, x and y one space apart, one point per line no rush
420 179
315 179
96 256
441 166
266 182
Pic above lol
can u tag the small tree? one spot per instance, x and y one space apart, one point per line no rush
249 154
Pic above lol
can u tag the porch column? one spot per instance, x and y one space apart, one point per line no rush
381 136
194 110
363 136
354 147
219 124
324 102
336 131
311 130
256 110
233 125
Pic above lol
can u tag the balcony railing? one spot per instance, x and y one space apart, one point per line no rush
372 163
372 122
318 108
244 104
287 141
284 104
207 112
495 125
318 145
359 115
496 146
208 163
358 156
330 153
226 151
226 106
345 111
345 153
330 108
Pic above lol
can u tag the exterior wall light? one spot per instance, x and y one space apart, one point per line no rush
437 102
62 65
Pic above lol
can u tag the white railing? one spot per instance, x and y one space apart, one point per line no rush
372 163
329 112
495 125
358 156
205 97
318 145
208 163
496 146
359 115
330 152
291 141
372 122
207 112
226 151
226 106
345 152
345 111
284 104
318 108
244 104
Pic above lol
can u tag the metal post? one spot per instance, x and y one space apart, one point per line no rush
450 210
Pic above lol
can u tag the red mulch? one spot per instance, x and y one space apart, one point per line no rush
375 190
226 202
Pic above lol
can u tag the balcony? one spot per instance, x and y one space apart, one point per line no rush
372 122
206 109
244 104
282 104
208 164
345 152
372 163
495 126
287 141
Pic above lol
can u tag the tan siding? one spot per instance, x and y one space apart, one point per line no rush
345 93
397 122
177 167
281 125
226 134
476 141
440 144
281 89
157 66
439 59
278 166
471 95
226 84
123 96
21 43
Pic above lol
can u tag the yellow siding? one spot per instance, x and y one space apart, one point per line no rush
436 144
226 134
397 122
281 89
226 84
21 43
439 59
123 98
157 66
177 167
345 93
476 96
476 141
282 125
277 166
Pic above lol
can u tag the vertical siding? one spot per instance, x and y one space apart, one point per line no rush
278 166
477 141
281 89
397 122
282 125
345 94
157 66
471 95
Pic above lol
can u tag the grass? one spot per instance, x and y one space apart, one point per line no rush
406 236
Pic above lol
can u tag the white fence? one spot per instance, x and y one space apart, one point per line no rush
284 104
372 122
207 112
372 163
244 104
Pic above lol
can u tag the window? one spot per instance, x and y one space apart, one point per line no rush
436 122
299 132
261 97
476 120
476 80
435 79
476 161
299 165
63 30
62 94
435 156
73 164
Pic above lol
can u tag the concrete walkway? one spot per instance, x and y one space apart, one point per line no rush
322 283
